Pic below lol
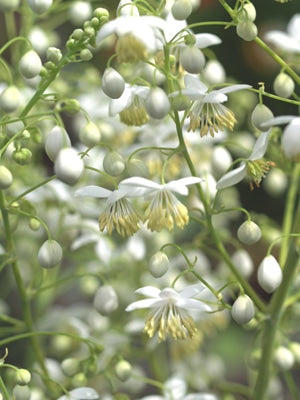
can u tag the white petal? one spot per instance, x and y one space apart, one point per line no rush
206 39
191 82
192 304
293 28
93 191
145 303
233 88
192 290
107 30
137 183
283 41
282 119
201 396
83 240
232 177
260 146
149 291
215 97
118 105
180 185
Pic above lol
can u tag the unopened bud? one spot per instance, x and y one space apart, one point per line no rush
123 370
22 156
192 59
68 166
295 349
89 134
136 167
86 55
283 85
70 366
261 114
56 139
180 102
6 178
79 12
246 30
106 300
113 163
157 103
50 254
113 84
243 310
80 393
79 380
39 6
243 262
54 55
10 99
284 358
12 128
221 160
30 64
276 182
269 274
181 9
23 376
101 13
249 232
214 72
158 264
9 5
290 140
250 12
21 392
34 224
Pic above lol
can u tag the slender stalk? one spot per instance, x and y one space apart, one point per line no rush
4 390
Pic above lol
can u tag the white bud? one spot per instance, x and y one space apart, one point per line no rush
283 85
39 39
181 9
23 376
192 59
11 128
54 54
10 99
295 349
243 262
284 358
220 161
158 264
30 64
70 366
157 103
50 254
9 5
89 134
123 370
56 140
249 232
137 167
79 12
6 178
126 7
39 6
246 30
214 72
250 11
21 392
269 274
275 182
243 310
113 163
261 114
68 166
80 393
290 140
113 84
106 300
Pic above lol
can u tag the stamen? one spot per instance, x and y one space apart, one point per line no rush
130 49
257 170
135 114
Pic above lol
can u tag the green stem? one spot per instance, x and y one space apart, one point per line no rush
4 390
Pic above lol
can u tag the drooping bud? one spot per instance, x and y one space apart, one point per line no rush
6 178
79 380
39 6
157 103
158 264
23 376
290 140
106 300
284 358
12 128
192 59
136 167
22 156
269 274
214 72
50 254
70 366
21 392
261 114
123 370
276 182
30 64
243 310
113 84
243 262
250 12
283 85
249 232
181 9
56 140
79 12
113 163
89 134
86 55
220 161
10 99
247 30
68 166
54 54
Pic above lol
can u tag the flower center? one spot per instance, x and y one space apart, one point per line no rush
257 170
121 217
135 114
130 49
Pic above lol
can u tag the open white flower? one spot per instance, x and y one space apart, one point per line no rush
288 41
164 208
255 167
169 310
118 213
208 112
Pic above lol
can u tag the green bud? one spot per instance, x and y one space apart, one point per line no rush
71 44
95 23
49 65
23 377
180 102
113 163
123 370
54 55
158 264
89 134
283 85
246 30
79 380
190 40
34 224
6 178
86 55
22 156
77 34
101 13
70 366
90 31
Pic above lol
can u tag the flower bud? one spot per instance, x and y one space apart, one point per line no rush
101 13
243 310
284 358
12 128
6 178
290 140
34 224
21 392
250 11
181 9
158 264
68 166
246 30
275 182
70 366
157 103
123 370
81 393
106 300
79 12
269 274
113 84
283 85
180 102
54 55
214 72
220 161
79 380
89 134
50 254
295 349
56 140
39 6
9 5
192 59
249 232
10 99
30 64
86 55
243 262
113 163
136 167
23 377
261 114
126 7
22 156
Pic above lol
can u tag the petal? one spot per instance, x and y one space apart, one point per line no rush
282 119
107 30
148 291
192 304
233 88
139 185
206 39
215 97
232 177
283 41
200 396
293 28
118 105
191 82
93 191
180 185
192 290
260 146
145 303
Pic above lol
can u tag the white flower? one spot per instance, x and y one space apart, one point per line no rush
207 112
169 311
137 35
81 393
164 208
118 213
287 41
254 167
